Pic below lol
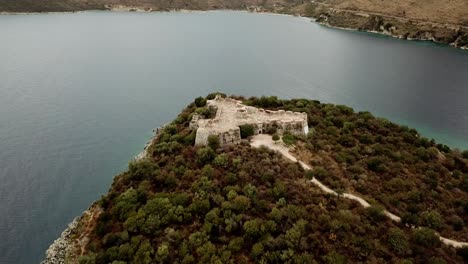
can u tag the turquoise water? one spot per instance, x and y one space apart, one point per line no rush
81 93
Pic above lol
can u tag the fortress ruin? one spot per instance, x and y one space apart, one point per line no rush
231 114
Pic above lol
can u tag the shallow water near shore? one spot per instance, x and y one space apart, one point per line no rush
81 93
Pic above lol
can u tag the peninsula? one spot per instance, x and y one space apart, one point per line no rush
443 22
306 182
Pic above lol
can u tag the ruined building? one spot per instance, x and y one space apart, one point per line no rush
231 113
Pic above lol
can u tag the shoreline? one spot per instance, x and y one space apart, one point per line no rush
389 34
65 246
257 10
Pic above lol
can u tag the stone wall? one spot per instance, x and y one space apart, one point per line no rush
231 113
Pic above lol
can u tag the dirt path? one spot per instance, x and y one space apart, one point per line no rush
267 141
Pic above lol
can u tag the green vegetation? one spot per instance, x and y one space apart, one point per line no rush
189 204
213 141
424 182
200 101
246 131
288 139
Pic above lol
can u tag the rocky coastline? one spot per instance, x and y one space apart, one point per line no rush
65 248
452 35
427 37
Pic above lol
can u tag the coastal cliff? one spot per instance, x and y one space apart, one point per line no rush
453 35
355 188
436 21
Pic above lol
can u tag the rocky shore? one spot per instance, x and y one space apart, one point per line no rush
455 35
58 250
66 248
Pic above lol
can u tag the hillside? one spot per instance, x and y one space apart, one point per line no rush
181 203
438 21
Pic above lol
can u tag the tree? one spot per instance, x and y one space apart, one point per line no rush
144 253
257 250
140 169
162 253
236 244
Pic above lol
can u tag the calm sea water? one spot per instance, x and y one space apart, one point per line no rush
81 93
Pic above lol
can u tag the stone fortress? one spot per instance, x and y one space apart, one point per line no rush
231 114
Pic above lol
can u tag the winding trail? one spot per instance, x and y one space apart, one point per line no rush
266 140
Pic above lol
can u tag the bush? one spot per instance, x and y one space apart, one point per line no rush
275 137
397 240
222 160
319 172
207 112
213 142
426 237
205 155
200 102
212 96
376 213
289 139
431 219
236 244
375 164
246 131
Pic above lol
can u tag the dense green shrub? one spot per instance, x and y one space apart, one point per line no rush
246 131
200 102
398 240
289 139
205 155
425 237
213 142
275 137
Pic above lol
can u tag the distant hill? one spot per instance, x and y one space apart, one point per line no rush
181 203
439 21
